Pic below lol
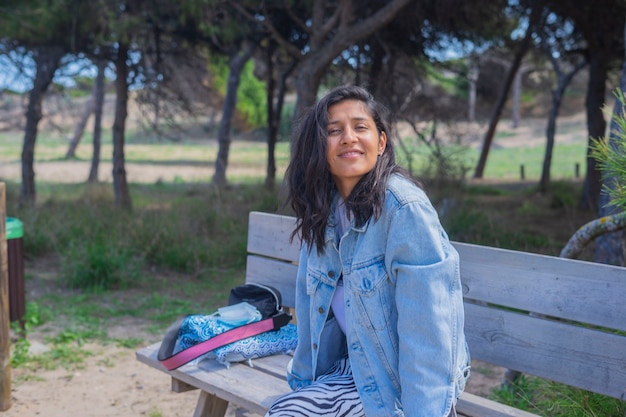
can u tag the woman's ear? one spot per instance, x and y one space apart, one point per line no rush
382 143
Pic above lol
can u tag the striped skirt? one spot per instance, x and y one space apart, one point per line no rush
333 394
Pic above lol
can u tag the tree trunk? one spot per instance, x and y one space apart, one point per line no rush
5 324
80 126
307 83
46 62
472 77
375 77
272 120
99 92
276 117
495 118
120 185
610 248
517 97
563 81
236 63
596 126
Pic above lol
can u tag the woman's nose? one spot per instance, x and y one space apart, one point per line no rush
349 135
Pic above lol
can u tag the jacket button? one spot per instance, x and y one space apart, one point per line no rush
331 274
314 346
321 310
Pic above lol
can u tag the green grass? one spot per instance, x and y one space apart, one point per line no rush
505 163
53 148
552 399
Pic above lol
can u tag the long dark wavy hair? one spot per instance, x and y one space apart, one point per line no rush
310 184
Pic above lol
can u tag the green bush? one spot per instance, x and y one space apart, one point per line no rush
99 265
189 237
564 194
100 247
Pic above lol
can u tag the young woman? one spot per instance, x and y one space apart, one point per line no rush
378 295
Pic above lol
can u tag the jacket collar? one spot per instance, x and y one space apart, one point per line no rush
329 235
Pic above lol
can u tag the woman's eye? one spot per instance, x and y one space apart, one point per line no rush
333 131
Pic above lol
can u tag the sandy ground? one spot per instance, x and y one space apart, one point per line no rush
112 383
78 171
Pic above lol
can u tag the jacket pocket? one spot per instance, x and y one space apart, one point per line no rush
367 279
372 296
312 282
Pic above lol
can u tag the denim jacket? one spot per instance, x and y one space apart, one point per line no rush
404 309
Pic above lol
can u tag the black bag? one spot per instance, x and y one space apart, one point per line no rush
265 298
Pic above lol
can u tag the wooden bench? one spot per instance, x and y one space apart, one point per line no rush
556 318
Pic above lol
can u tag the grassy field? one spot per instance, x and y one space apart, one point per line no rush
511 149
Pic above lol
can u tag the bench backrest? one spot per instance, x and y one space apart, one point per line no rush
559 319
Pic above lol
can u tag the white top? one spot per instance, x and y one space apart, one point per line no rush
338 303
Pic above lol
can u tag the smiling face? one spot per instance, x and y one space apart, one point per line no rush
353 143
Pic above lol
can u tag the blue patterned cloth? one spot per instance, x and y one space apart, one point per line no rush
197 328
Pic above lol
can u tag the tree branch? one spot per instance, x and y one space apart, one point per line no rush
330 23
590 231
295 18
346 35
288 46
374 22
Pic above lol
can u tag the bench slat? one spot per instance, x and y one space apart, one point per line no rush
278 274
572 290
240 384
269 234
275 365
268 377
588 359
470 405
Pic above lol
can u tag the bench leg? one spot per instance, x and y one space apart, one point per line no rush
210 406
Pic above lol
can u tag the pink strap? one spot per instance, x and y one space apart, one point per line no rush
215 342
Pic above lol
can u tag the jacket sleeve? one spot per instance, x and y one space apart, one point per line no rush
425 267
300 372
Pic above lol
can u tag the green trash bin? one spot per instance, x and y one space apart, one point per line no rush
15 250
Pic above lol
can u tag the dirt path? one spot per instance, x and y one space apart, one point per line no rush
78 171
111 383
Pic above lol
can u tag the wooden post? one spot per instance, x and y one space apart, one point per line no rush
5 336
522 174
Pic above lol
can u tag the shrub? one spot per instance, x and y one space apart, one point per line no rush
99 265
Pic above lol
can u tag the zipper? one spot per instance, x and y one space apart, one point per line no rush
279 306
